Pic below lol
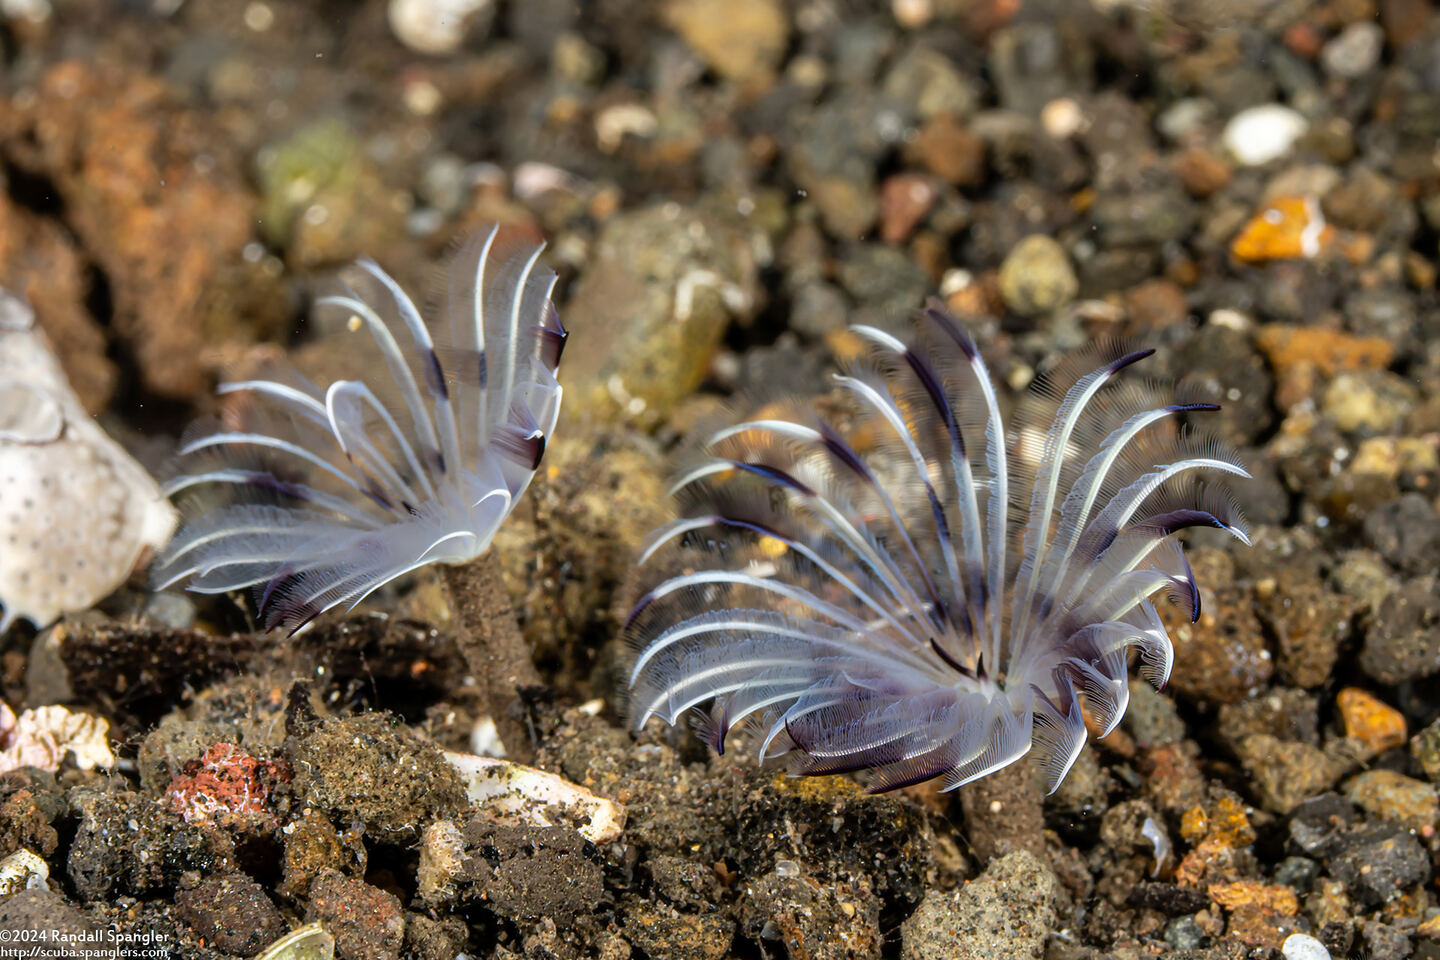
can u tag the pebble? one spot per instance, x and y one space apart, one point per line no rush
928 83
1368 402
1286 228
1400 634
1037 278
1354 51
742 40
951 151
1007 911
1425 751
1378 863
1393 796
1370 720
1258 135
1300 946
438 27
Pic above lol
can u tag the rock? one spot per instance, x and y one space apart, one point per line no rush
1145 218
808 919
1285 228
905 199
1286 713
1006 912
1378 863
1286 773
368 768
1393 796
1036 277
1368 402
1400 634
1384 941
742 40
1260 914
322 200
1257 135
665 935
928 84
1035 62
523 873
1370 720
1201 172
231 913
127 843
950 151
108 140
1151 717
439 27
1425 751
1221 657
654 303
1354 51
1406 532
59 928
1308 620
366 922
40 262
885 280
1290 346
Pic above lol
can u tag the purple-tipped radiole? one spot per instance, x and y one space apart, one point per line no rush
952 598
317 497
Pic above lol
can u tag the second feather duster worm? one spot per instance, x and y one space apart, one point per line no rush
951 598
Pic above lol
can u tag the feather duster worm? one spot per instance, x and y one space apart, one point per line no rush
320 497
946 602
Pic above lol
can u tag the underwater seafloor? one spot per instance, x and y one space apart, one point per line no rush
725 185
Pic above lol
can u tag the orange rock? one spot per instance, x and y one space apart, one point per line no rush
1261 914
1288 228
1287 346
1371 721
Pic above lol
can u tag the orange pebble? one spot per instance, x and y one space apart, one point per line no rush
1288 228
1376 724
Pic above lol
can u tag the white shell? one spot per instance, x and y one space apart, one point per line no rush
76 512
512 790
20 871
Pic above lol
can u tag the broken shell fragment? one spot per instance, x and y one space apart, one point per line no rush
513 791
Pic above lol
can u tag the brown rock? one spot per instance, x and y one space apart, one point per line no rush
950 151
1156 304
1201 171
126 160
365 921
1308 621
1394 796
739 39
38 261
905 199
1221 657
231 913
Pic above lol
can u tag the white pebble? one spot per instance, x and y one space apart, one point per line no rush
1355 51
1298 946
435 27
1257 135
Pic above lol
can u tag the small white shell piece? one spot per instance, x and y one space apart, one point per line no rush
43 736
22 870
508 790
76 512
